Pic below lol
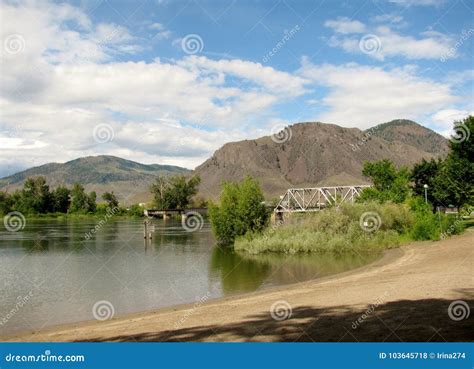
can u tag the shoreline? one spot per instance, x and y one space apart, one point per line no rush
173 322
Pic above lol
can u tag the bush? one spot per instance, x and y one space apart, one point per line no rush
241 210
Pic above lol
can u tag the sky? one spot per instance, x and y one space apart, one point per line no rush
169 82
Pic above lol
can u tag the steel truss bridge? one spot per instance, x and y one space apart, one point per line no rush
301 200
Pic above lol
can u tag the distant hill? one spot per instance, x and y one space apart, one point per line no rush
318 154
128 179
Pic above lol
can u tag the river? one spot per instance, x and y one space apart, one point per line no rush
55 271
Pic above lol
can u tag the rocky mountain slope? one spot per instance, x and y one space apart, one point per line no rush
318 154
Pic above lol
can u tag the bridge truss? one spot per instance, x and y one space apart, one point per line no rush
301 200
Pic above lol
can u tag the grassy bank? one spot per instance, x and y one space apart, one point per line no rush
367 227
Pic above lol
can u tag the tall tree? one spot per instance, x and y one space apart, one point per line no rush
389 183
61 199
175 192
80 202
424 173
35 196
454 184
111 200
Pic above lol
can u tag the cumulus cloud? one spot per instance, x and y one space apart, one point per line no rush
71 75
345 25
389 43
361 96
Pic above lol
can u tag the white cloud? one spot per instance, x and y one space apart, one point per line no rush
361 96
65 81
430 44
407 3
345 25
394 19
442 121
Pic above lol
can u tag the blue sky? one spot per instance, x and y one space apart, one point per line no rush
171 81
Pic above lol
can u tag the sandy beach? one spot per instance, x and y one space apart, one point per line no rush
405 296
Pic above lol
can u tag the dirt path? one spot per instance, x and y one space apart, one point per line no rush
403 297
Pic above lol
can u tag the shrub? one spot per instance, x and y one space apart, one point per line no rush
241 210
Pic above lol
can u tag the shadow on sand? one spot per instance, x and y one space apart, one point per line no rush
404 320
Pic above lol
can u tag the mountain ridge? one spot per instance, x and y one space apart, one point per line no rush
315 154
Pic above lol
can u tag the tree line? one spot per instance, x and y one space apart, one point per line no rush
36 198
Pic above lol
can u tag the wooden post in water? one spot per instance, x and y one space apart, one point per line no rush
148 230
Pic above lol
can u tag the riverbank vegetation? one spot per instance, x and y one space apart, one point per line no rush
37 200
396 209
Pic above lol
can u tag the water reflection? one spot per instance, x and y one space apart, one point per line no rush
236 273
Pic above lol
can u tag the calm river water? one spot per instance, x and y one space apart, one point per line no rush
52 273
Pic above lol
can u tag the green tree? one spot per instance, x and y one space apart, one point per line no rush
424 173
110 199
5 203
389 183
158 189
61 199
135 210
175 192
78 198
454 184
91 202
241 210
35 197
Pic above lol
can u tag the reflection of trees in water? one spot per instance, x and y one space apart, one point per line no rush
305 266
237 274
243 272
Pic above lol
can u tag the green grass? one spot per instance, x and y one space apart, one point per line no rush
343 230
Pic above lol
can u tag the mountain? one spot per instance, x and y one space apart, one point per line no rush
413 134
318 154
128 179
